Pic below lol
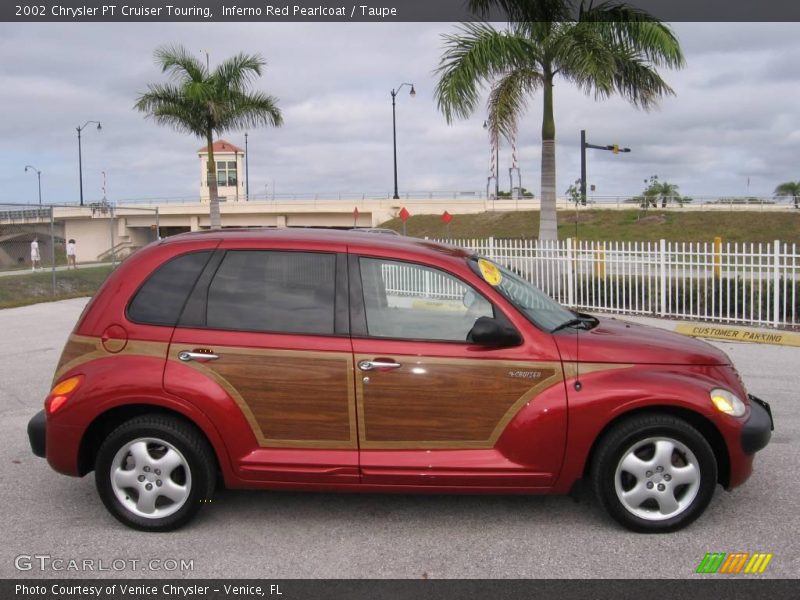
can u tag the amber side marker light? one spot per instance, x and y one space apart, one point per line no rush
61 393
727 402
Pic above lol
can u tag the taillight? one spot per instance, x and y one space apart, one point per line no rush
61 393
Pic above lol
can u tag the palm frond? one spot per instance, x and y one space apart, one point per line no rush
250 110
508 99
167 105
636 30
471 58
639 83
238 71
583 56
180 64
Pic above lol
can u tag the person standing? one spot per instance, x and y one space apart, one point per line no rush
71 262
35 258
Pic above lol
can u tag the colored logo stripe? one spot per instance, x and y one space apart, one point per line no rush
758 563
720 562
734 562
711 562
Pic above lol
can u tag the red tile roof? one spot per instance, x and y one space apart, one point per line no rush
221 146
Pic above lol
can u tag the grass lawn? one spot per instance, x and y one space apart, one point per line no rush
29 288
619 225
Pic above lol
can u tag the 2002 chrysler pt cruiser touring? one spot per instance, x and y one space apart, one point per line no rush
324 360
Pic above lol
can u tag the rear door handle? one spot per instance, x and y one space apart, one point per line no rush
186 355
369 365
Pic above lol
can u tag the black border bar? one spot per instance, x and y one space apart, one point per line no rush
33 11
706 586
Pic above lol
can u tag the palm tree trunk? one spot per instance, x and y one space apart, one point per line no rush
548 223
213 190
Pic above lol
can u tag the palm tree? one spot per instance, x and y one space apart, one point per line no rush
668 192
661 190
790 189
204 102
606 49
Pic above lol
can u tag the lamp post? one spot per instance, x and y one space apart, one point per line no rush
38 177
80 161
246 170
394 92
496 142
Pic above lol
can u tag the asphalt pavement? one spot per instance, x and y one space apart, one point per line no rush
261 534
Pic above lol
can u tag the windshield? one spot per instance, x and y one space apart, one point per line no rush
540 308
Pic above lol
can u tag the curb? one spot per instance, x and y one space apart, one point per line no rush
740 334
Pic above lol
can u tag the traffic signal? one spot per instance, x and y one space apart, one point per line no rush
615 149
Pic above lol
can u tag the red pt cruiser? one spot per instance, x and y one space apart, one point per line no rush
327 361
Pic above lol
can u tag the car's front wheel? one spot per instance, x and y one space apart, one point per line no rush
654 473
154 472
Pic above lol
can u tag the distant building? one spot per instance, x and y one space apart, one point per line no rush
230 172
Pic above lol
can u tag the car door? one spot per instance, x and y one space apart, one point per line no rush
263 341
436 410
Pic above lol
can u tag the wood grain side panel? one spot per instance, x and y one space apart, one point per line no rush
80 350
430 403
76 347
293 396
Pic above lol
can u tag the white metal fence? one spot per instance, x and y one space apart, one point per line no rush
751 283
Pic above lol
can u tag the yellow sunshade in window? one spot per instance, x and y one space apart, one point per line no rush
490 272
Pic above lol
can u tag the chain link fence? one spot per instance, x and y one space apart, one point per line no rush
64 251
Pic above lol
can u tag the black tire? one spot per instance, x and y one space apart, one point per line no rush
191 481
671 498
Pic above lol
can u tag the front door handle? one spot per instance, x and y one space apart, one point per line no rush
369 365
186 356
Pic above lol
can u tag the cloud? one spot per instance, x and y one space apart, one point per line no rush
734 114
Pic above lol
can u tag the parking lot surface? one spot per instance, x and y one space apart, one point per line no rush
246 534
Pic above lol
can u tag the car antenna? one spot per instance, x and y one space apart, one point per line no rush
578 385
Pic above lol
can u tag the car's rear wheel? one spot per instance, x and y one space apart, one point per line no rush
654 473
154 472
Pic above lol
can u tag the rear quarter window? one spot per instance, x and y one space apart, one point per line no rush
160 299
274 291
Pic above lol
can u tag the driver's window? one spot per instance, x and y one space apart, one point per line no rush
411 301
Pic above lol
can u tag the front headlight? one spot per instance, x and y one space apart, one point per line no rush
727 402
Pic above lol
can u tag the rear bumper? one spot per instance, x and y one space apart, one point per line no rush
37 433
757 430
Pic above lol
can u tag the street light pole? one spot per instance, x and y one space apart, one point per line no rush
247 170
394 92
38 177
80 159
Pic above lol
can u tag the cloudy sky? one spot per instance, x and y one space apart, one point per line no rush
735 115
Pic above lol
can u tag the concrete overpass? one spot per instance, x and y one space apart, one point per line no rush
102 229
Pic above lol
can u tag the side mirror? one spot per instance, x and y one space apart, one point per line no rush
494 334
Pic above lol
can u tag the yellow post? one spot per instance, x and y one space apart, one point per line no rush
717 256
600 261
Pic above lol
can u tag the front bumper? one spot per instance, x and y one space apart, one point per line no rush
37 428
757 430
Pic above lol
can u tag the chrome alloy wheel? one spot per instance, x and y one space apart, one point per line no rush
150 477
657 478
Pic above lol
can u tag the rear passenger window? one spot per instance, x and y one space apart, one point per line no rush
272 291
160 300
